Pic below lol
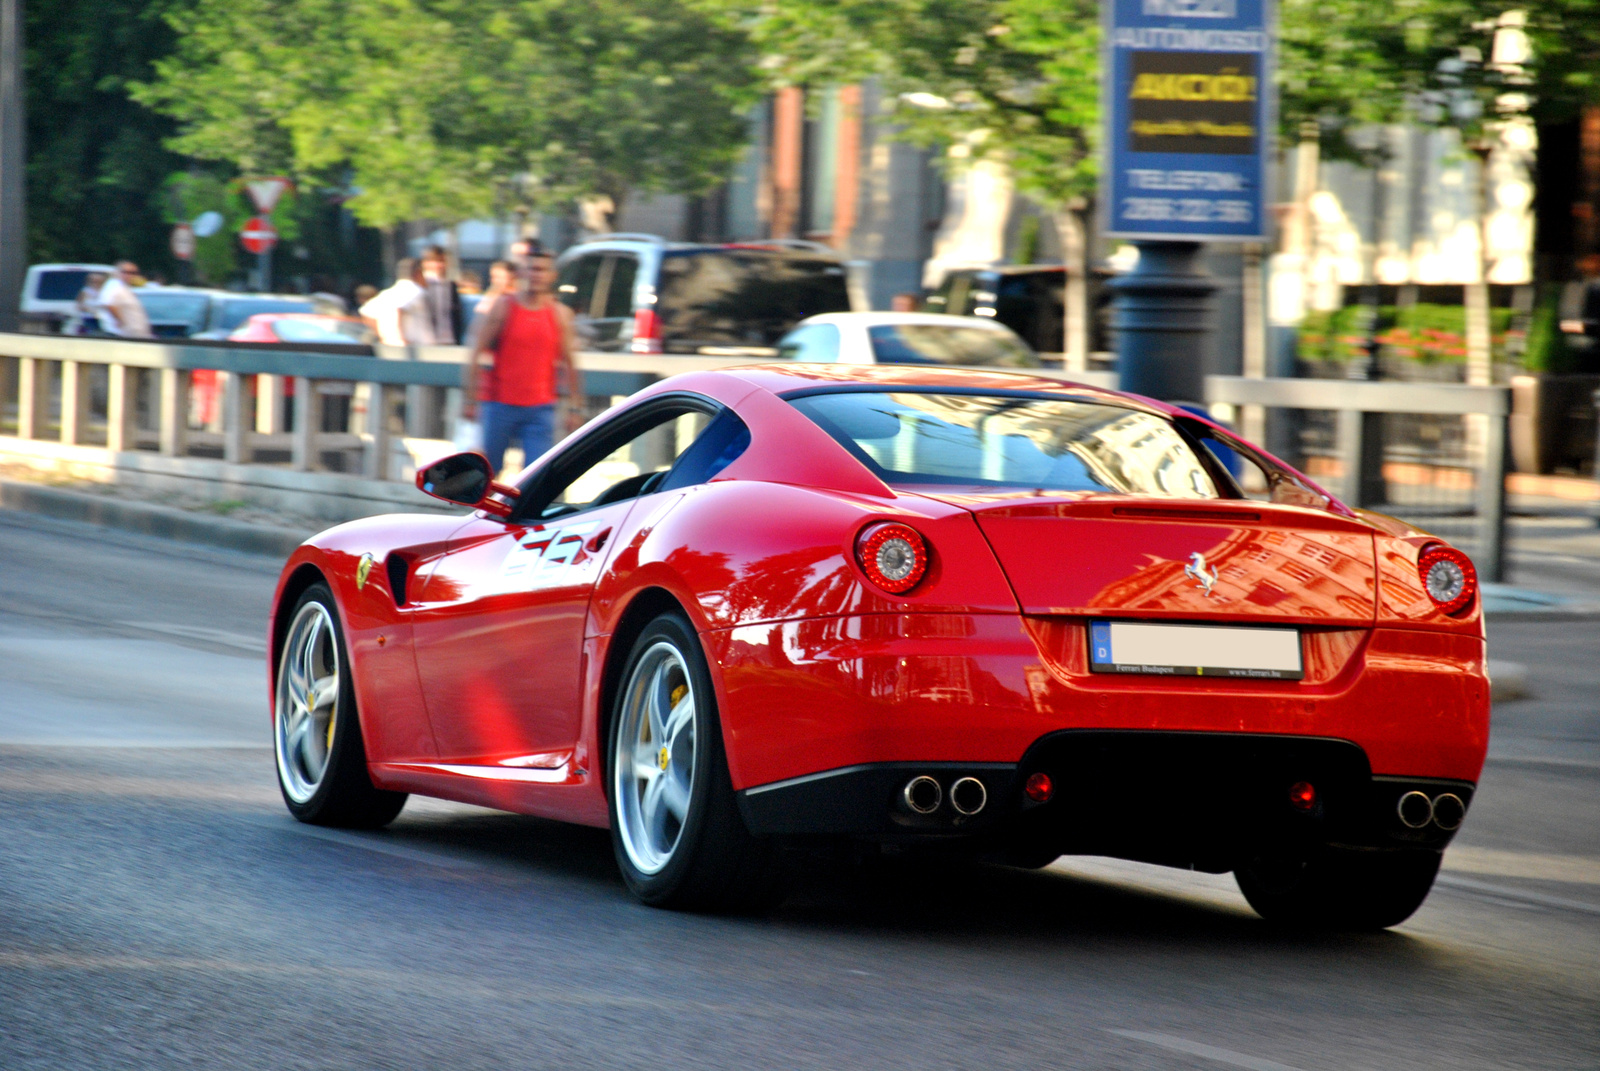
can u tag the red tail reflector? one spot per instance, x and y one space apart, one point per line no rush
646 331
1039 788
1447 576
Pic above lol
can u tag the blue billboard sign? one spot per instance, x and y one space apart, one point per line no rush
1188 109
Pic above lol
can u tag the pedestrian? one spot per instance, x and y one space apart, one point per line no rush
906 302
528 340
400 313
443 297
120 311
502 281
86 318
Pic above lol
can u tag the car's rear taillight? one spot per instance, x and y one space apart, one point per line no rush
1447 576
646 331
893 556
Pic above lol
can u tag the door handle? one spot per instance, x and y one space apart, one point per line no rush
597 541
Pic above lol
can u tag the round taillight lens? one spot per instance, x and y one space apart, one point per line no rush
893 556
1447 576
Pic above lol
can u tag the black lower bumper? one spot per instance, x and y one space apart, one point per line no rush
1202 800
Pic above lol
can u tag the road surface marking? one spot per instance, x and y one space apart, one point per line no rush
1205 1052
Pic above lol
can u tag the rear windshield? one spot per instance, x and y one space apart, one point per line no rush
238 310
329 330
62 285
171 307
983 442
953 344
743 297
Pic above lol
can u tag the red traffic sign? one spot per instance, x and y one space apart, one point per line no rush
182 241
258 236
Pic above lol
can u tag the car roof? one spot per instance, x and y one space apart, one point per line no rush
789 246
1007 269
932 319
785 378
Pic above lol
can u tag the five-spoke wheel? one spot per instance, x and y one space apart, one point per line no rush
655 757
316 735
675 824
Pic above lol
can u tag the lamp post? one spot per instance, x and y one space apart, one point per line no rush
13 162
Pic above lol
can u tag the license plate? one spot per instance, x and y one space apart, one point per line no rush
1195 650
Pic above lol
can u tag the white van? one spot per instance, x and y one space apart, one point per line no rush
50 292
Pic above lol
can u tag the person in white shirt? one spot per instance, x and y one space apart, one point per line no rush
118 306
401 312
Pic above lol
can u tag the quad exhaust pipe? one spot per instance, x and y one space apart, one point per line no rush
924 795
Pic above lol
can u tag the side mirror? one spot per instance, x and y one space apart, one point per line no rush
466 480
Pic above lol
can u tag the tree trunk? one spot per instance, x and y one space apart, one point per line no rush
1073 235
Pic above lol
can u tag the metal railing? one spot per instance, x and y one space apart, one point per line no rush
1361 408
276 405
359 408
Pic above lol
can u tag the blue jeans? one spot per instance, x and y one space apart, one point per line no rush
535 423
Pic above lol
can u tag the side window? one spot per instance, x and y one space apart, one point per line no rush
817 343
575 283
674 446
619 293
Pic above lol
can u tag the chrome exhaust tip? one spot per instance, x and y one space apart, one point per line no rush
1415 810
923 794
968 796
1448 811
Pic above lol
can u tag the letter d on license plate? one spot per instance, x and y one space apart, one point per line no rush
1195 650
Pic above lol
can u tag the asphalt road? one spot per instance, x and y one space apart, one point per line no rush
158 908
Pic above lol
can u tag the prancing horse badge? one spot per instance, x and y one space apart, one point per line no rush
1196 571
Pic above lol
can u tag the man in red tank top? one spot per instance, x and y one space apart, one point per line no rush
529 341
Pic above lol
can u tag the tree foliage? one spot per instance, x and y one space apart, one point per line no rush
95 158
1016 79
434 109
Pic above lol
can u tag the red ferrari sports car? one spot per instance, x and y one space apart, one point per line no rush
979 613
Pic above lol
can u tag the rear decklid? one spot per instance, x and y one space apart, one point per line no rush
1192 560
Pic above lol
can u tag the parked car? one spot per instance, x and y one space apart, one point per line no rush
50 292
642 293
177 311
905 338
1028 298
975 612
230 310
303 327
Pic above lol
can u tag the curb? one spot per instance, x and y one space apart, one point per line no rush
145 518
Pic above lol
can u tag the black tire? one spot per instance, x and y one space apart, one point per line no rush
714 864
343 795
1339 890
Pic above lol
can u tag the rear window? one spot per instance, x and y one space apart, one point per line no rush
743 297
237 311
952 344
167 307
319 331
60 285
1025 443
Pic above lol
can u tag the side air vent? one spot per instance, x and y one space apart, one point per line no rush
399 572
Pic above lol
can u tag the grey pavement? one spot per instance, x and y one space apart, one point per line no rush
158 908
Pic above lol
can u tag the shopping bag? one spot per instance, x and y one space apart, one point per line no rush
468 435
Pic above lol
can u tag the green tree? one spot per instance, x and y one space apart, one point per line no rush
1012 80
430 109
95 158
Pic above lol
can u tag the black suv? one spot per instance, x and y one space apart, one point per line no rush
642 293
1028 298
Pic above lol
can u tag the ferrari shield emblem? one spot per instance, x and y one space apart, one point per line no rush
363 570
